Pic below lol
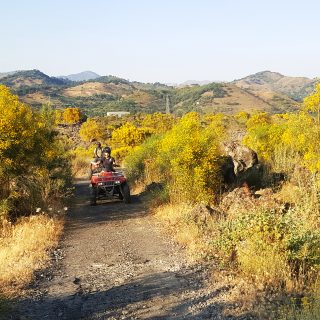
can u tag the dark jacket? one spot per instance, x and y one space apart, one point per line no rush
107 163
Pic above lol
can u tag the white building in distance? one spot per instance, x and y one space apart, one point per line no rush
117 113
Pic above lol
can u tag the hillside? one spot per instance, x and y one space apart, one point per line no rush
266 81
31 78
110 93
237 99
5 74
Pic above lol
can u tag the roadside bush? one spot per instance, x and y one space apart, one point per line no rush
185 158
140 163
35 177
32 157
284 142
81 158
270 244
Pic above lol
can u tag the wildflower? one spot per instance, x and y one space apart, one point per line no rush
38 210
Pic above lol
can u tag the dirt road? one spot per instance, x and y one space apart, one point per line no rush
115 263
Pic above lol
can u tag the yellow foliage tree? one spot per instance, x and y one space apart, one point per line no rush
285 141
30 154
71 115
158 122
186 159
128 135
22 132
58 116
190 158
93 130
312 102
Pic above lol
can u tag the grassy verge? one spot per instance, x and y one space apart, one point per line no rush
187 229
271 244
24 248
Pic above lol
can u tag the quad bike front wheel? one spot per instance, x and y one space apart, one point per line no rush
125 192
93 198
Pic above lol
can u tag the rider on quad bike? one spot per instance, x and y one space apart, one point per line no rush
107 162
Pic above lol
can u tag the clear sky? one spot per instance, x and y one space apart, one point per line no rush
165 41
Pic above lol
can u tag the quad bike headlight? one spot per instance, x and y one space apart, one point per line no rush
117 182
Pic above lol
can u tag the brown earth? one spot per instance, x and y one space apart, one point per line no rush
95 88
115 262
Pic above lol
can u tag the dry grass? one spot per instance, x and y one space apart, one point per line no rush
264 264
95 88
190 234
24 248
81 167
240 100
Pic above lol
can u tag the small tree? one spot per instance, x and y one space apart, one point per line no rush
72 115
93 130
312 102
128 135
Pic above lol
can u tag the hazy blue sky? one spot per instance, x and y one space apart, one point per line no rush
166 41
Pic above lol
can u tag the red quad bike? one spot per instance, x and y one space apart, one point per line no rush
108 185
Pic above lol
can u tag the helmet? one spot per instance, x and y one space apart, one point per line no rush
107 150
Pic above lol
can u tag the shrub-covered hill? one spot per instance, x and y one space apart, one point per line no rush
109 93
266 81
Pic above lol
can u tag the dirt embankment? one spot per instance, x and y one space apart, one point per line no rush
115 263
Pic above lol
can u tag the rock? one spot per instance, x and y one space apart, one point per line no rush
246 167
76 280
227 170
242 156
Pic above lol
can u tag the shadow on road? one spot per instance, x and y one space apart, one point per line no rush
83 214
156 296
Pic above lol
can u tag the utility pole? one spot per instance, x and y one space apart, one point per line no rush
167 105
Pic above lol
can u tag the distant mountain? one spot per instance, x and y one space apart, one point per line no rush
266 81
110 93
82 76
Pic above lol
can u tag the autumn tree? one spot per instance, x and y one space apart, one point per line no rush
94 130
72 115
186 159
129 135
312 102
158 122
31 154
58 116
22 133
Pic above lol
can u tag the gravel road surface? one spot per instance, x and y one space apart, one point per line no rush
115 262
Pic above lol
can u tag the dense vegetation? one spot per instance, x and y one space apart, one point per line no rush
35 175
33 162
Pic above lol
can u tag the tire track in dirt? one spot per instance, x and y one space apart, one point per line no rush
117 264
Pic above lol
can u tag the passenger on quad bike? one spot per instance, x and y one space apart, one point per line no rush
96 164
98 152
